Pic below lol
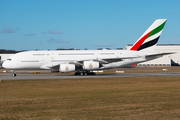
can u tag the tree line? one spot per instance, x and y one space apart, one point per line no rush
3 51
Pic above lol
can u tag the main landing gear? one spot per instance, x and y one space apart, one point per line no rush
13 73
84 73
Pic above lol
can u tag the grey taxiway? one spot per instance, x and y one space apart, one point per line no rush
28 76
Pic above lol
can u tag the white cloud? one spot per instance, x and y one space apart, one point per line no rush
55 32
7 30
63 41
31 34
43 32
52 40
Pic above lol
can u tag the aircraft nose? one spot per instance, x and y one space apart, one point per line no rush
6 64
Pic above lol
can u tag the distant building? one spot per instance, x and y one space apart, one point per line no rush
166 60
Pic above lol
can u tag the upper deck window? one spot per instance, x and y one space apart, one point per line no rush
76 54
38 54
106 53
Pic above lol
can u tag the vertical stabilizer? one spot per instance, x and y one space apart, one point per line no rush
149 39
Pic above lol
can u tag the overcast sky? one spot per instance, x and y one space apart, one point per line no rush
80 24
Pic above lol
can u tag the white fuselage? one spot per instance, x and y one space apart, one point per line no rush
42 59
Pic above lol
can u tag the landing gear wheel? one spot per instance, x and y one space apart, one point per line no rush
14 74
81 73
84 73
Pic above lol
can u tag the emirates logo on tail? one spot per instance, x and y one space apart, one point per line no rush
150 37
140 42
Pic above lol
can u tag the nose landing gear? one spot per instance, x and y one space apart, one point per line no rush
13 73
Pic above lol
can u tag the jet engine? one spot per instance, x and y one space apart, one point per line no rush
65 68
91 65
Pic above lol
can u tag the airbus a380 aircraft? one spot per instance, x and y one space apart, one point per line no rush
83 61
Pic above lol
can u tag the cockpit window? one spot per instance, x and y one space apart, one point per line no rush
9 59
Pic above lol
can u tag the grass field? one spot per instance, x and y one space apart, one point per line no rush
136 98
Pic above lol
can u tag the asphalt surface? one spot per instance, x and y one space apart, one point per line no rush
30 76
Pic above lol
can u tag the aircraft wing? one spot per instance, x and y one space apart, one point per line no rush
50 66
55 66
159 54
105 60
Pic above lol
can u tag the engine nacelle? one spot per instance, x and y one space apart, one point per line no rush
65 68
91 65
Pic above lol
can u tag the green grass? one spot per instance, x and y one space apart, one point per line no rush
98 98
